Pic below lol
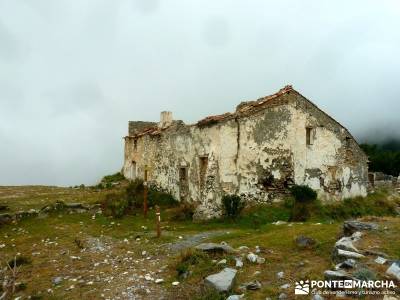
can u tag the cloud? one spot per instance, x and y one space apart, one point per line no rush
72 73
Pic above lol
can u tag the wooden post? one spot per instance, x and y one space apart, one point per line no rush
145 193
158 220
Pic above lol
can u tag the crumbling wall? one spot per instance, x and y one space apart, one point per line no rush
257 153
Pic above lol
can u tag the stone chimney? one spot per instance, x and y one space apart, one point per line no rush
165 119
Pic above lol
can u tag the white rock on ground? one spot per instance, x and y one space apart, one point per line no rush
213 247
222 281
239 262
235 297
280 275
222 262
336 275
251 257
346 243
349 254
175 283
394 270
380 260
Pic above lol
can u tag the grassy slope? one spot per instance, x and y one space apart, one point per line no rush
27 238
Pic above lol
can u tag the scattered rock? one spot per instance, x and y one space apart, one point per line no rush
6 218
380 260
239 262
394 270
279 223
57 280
285 286
260 260
222 281
351 226
215 248
305 242
347 264
252 285
280 275
336 275
148 277
175 283
346 243
387 297
159 280
235 297
251 257
339 254
282 296
222 262
317 297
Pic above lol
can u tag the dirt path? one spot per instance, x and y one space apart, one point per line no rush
193 240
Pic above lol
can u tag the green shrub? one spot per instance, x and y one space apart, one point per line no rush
183 212
161 198
256 216
115 205
134 193
303 193
188 258
116 177
233 205
364 274
135 190
304 200
375 204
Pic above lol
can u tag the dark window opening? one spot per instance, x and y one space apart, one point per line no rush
182 174
308 136
347 141
135 144
203 170
267 181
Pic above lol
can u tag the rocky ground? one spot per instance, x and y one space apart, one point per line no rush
77 253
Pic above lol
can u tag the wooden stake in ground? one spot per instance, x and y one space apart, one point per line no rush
158 220
145 193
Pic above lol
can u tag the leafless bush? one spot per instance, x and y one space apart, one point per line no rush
9 279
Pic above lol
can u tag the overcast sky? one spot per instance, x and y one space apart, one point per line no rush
72 73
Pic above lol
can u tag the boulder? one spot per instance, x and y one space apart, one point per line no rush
394 270
251 257
239 262
215 248
305 242
19 215
222 281
339 255
347 264
380 260
57 280
352 226
336 275
252 285
6 218
346 243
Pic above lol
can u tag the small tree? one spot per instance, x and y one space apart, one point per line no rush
233 205
304 197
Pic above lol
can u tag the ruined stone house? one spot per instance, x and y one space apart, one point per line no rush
258 152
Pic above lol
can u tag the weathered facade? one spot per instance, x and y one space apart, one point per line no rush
258 151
